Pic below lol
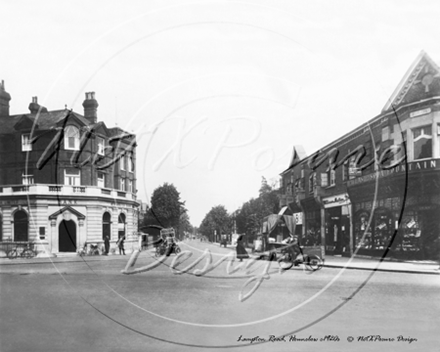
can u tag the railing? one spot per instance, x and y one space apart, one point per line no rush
20 189
64 190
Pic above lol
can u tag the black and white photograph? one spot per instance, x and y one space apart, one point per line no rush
219 175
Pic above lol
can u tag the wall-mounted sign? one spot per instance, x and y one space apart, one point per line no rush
298 218
420 112
336 201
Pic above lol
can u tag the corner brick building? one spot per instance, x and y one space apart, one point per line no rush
65 178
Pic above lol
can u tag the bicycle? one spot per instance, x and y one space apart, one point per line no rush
24 252
312 262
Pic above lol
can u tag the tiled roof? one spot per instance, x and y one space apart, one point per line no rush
44 120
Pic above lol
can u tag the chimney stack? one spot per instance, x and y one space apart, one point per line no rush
5 98
36 108
91 107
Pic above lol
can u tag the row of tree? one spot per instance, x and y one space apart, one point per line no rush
248 219
168 210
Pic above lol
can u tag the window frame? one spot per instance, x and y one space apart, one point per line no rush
98 178
100 142
428 137
122 185
74 177
67 136
27 177
26 147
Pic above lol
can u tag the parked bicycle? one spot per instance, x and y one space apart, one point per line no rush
92 250
26 251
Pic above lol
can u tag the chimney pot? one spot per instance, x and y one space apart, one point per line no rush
91 107
5 98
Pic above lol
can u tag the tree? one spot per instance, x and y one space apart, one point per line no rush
216 221
166 207
249 218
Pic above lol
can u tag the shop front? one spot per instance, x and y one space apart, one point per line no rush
337 224
398 216
312 223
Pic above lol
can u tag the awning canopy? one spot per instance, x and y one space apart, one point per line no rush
285 216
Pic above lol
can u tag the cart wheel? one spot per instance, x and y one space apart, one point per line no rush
314 262
286 261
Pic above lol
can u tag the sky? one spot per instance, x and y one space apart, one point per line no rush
217 92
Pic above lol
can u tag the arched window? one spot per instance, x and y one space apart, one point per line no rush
121 225
71 138
21 226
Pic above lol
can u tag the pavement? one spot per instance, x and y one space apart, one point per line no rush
336 262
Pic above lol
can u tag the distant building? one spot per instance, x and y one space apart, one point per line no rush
376 190
65 178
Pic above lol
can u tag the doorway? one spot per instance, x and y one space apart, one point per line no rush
67 236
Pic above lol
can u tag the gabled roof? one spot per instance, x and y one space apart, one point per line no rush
79 215
25 122
421 81
298 154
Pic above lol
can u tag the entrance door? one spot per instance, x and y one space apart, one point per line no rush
106 223
21 226
67 236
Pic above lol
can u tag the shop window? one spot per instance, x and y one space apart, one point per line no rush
101 145
26 145
71 138
408 239
72 177
101 180
27 179
422 142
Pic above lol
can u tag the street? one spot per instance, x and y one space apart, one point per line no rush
89 305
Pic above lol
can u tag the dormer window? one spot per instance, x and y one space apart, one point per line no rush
26 145
71 138
101 145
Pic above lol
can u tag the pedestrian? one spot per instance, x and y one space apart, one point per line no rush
106 244
121 245
241 251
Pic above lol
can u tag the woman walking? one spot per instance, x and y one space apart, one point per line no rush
121 245
241 251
